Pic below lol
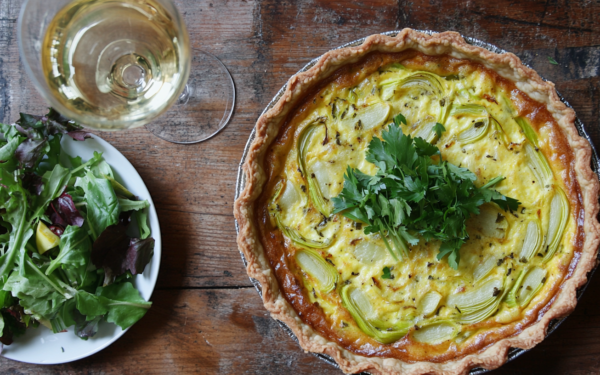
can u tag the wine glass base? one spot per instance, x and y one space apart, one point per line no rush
204 107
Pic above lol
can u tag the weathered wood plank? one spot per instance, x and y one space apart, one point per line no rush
199 250
513 25
263 43
230 332
196 331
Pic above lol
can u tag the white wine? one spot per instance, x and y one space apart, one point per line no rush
116 63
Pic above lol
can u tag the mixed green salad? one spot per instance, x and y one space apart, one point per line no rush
71 236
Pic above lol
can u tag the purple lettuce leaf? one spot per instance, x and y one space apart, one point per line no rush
79 135
138 255
13 325
84 328
32 183
28 132
62 212
29 152
110 248
57 230
30 121
117 253
35 127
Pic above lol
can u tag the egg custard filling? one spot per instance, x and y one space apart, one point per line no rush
394 292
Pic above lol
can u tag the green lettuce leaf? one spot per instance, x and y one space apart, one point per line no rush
102 203
122 304
129 205
75 248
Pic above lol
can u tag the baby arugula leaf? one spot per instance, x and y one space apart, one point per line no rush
13 199
130 205
75 247
39 293
415 194
141 218
102 203
121 303
53 188
124 303
7 151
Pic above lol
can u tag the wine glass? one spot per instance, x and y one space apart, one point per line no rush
119 64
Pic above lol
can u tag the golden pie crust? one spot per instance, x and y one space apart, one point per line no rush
507 66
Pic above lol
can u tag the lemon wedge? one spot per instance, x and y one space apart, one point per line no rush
45 239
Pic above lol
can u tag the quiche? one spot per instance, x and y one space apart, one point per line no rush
394 284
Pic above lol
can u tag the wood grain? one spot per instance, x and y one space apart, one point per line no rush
206 318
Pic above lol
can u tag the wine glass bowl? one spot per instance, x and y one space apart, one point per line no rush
119 64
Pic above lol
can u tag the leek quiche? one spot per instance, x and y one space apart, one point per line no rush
418 205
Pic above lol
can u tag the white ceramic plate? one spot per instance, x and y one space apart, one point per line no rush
40 345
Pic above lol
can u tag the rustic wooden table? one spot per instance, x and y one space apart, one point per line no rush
207 317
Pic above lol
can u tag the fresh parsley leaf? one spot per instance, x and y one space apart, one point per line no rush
552 61
425 148
439 129
400 119
387 274
415 196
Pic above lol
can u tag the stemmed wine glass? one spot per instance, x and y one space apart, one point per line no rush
119 64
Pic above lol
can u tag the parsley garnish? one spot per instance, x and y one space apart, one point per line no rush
387 274
552 61
415 194
439 129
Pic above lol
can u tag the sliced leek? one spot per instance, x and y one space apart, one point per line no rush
436 332
467 95
532 241
476 299
511 297
339 108
559 215
368 117
537 161
291 233
289 196
475 132
325 275
479 126
499 132
538 164
528 284
484 268
480 315
474 110
425 81
481 303
490 222
425 131
368 252
484 313
506 105
528 131
429 303
298 239
532 284
358 305
314 191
